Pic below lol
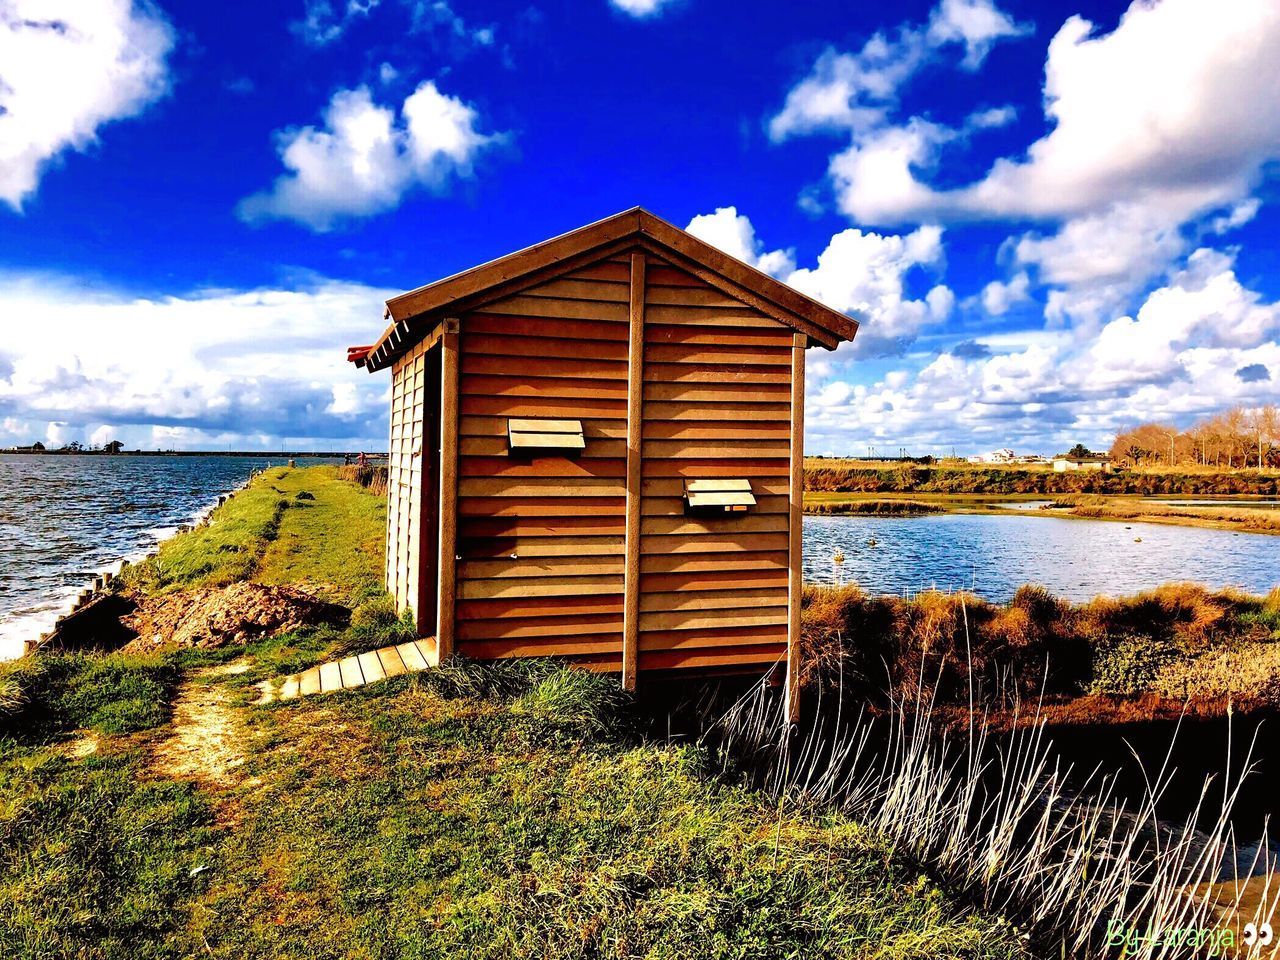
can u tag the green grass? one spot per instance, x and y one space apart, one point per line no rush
500 810
56 692
95 853
506 816
504 810
266 534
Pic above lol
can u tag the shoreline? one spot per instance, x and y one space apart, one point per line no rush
284 454
28 632
935 504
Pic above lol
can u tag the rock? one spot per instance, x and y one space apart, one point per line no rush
238 614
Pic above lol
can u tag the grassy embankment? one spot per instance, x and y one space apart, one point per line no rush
833 486
471 812
1238 517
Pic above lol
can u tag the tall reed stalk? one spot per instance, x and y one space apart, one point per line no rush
1002 820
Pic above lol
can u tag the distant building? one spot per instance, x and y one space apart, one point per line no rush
1005 455
1065 464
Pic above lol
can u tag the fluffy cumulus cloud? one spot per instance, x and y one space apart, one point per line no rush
641 8
860 273
1199 341
1164 122
1159 135
734 233
67 68
857 91
367 156
999 297
225 369
1166 110
864 274
978 24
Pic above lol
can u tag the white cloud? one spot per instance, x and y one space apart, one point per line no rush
1099 261
1156 127
326 21
861 274
978 24
224 368
322 23
1203 309
366 157
856 91
1174 109
641 8
733 233
864 274
876 176
68 67
1199 343
998 297
429 15
1237 216
849 91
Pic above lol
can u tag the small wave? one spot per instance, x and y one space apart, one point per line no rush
24 625
66 519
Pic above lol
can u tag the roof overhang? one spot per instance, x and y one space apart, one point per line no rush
412 315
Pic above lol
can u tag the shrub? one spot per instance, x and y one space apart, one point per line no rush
587 704
1128 665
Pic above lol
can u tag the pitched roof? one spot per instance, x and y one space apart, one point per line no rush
412 315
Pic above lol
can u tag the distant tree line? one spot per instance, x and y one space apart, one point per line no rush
1236 438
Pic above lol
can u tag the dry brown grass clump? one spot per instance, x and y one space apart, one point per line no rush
957 642
1179 641
375 478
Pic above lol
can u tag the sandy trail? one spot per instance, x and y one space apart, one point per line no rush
206 742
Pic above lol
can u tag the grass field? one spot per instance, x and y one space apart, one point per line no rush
852 476
498 811
1239 517
300 526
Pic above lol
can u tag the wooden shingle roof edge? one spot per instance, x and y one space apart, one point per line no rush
413 314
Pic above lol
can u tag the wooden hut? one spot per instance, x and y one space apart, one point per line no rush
597 454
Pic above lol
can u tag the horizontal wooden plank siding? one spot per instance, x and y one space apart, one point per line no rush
717 404
540 538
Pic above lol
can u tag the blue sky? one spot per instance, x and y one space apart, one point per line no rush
1056 220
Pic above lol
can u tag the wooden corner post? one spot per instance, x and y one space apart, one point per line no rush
635 427
795 527
448 489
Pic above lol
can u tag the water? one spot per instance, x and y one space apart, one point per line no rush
65 519
994 554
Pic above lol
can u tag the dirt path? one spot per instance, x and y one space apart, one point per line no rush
206 743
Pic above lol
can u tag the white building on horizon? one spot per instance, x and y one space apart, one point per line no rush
1005 455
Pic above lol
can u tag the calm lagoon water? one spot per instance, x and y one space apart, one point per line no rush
65 519
994 554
